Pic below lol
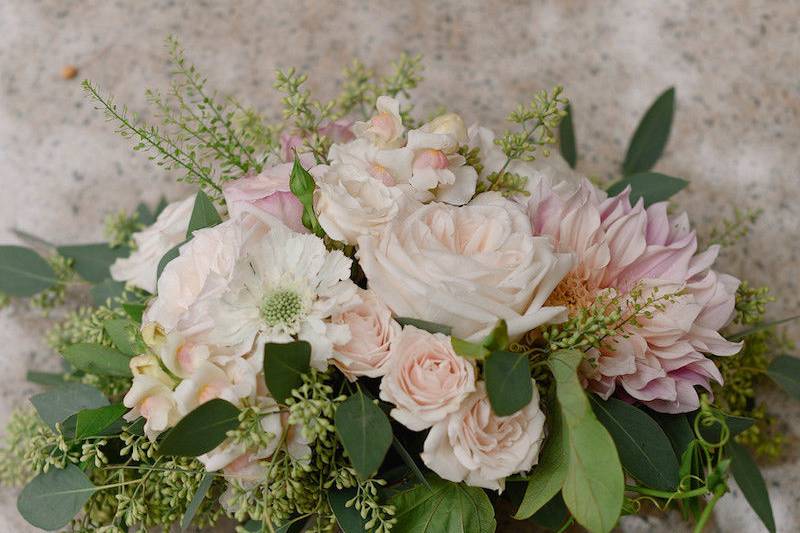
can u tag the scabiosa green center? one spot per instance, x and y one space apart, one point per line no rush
282 307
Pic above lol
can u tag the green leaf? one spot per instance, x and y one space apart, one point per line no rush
284 366
146 217
23 272
204 214
651 186
508 382
736 337
470 350
651 135
408 460
302 185
106 292
677 429
497 339
553 515
97 359
785 371
749 479
92 422
644 448
348 518
52 499
197 500
125 336
169 256
430 327
594 485
548 475
365 432
736 425
93 261
201 430
58 404
445 507
135 311
45 378
566 141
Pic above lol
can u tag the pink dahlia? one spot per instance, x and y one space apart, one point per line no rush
619 246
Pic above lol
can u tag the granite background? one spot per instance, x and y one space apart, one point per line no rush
736 135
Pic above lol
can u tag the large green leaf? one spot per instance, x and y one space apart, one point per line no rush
201 430
548 475
365 432
302 185
430 327
53 498
594 485
97 359
125 336
566 142
23 272
651 186
651 135
60 403
785 371
749 479
677 428
45 378
92 422
443 507
644 448
171 254
284 366
197 500
348 518
204 214
93 261
508 382
736 337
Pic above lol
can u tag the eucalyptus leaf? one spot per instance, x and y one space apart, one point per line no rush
169 256
197 500
470 350
302 185
45 378
97 359
748 477
106 292
651 186
134 310
566 138
736 337
59 403
430 327
365 432
785 371
92 422
202 430
204 214
443 507
146 217
508 382
125 336
23 272
553 515
93 261
594 484
284 366
348 518
52 499
497 339
547 477
644 448
651 135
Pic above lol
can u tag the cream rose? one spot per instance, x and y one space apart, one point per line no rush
480 448
466 267
169 230
372 332
350 203
425 380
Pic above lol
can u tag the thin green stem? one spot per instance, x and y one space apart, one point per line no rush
709 508
678 495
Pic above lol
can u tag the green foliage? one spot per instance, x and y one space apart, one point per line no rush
508 382
284 366
56 405
443 507
23 272
785 371
566 142
537 122
651 135
361 509
201 430
430 327
204 214
302 185
125 336
751 304
52 499
119 228
92 422
92 261
97 359
748 477
305 114
54 296
506 183
312 406
365 432
651 186
19 443
731 230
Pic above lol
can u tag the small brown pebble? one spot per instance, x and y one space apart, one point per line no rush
69 72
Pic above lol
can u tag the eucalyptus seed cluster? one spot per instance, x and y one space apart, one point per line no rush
250 434
120 227
312 407
537 123
751 303
54 296
22 428
379 518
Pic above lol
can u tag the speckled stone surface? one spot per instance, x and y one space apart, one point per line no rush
736 136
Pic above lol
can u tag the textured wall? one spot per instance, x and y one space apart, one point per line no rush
736 136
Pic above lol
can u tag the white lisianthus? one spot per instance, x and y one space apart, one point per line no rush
385 129
350 203
466 267
169 230
482 449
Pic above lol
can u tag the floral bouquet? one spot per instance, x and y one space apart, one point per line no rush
361 321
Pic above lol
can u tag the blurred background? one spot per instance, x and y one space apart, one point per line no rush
736 135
